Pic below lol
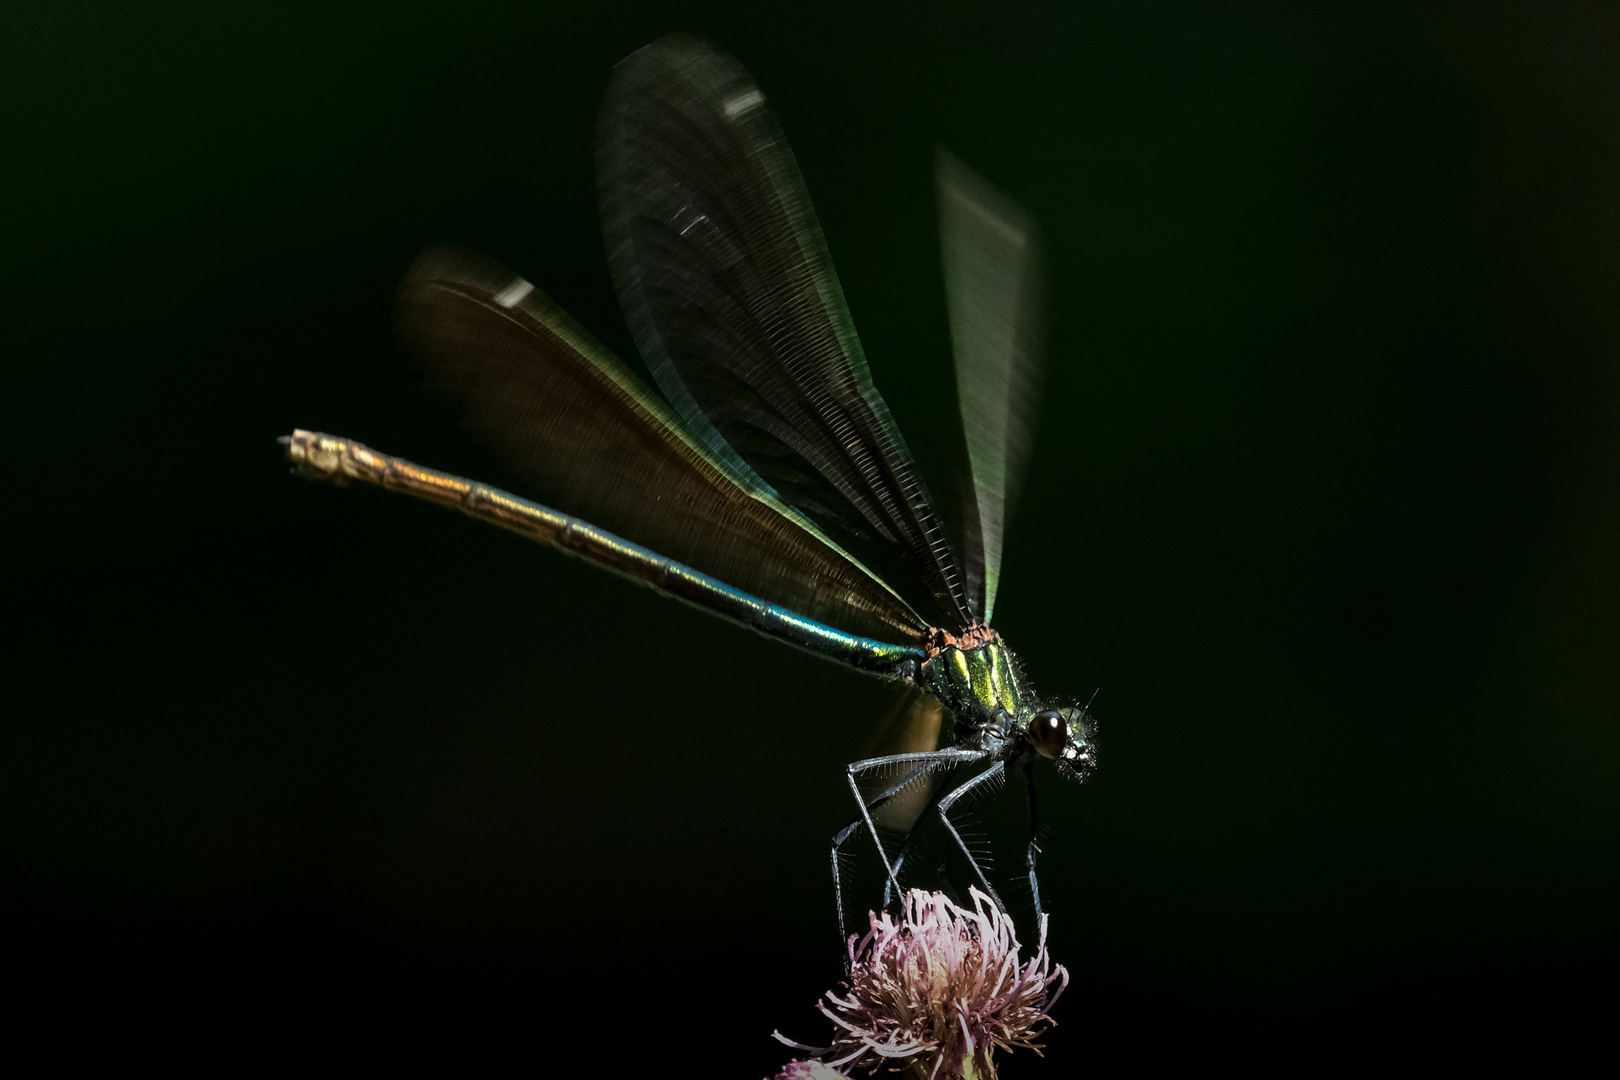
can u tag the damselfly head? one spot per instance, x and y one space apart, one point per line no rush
1065 736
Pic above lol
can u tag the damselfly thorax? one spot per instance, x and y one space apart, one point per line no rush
980 681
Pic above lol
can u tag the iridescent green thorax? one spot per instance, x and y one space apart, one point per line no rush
976 683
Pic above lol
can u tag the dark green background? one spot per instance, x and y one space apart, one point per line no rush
1326 501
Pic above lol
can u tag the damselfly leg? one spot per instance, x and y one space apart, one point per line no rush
916 766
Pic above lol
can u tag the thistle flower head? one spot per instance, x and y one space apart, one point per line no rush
809 1070
938 990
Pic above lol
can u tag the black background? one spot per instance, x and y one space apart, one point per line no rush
1324 501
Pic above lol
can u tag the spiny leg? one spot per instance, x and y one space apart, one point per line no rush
903 852
847 831
1034 848
924 762
945 804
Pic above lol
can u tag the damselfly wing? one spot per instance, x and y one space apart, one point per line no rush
769 483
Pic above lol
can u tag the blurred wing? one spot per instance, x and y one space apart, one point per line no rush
912 725
994 292
578 428
728 288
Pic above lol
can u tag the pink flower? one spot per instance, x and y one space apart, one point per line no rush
809 1070
938 991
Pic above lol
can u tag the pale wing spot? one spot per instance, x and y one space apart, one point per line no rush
743 102
514 292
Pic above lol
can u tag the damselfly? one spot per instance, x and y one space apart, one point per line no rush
769 484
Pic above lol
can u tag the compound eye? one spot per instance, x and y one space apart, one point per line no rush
1048 733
